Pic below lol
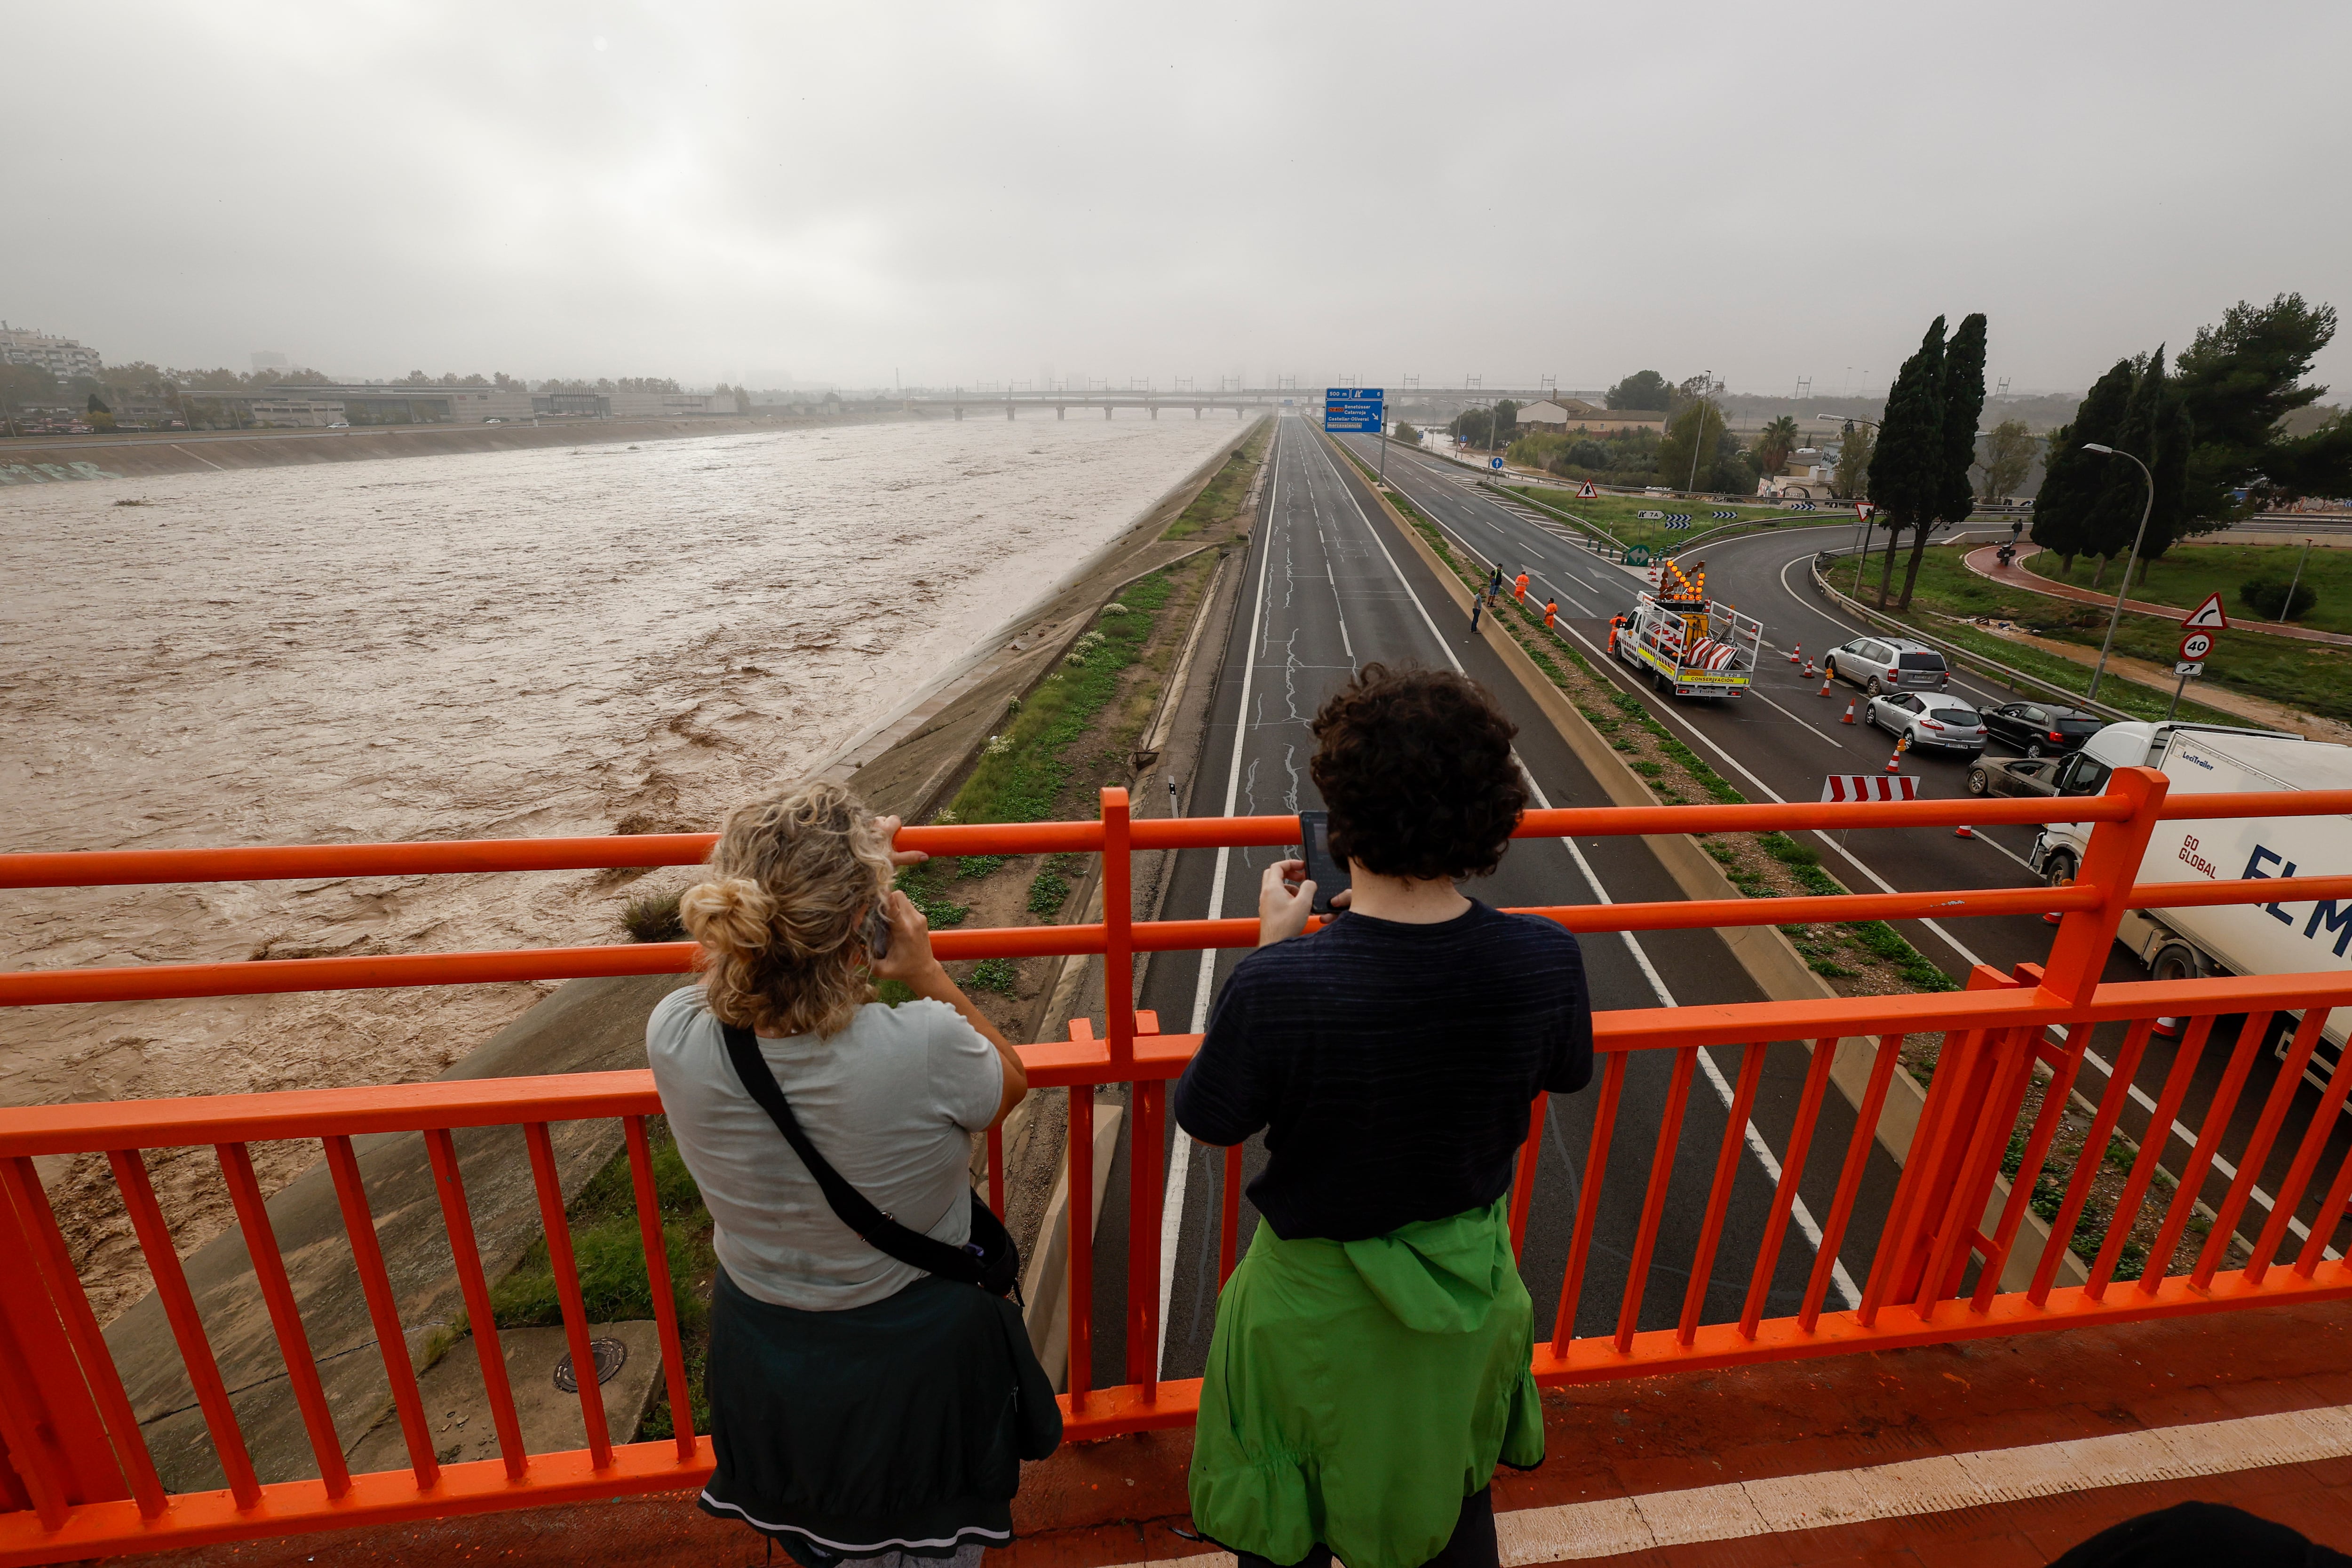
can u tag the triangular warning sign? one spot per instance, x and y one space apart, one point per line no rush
2207 617
1587 492
1863 509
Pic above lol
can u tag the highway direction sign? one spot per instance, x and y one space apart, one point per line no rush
1354 408
2196 645
2207 617
1495 464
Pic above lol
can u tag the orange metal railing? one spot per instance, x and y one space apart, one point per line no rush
78 1479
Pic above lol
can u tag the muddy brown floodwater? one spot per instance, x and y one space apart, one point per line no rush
481 646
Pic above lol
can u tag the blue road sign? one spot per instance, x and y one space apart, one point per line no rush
1355 408
1495 463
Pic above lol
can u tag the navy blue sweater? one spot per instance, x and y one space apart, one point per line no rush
1390 1066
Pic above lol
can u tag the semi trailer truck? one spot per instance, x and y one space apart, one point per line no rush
2223 939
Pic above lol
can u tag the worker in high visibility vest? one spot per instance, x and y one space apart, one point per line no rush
1519 588
1551 614
1616 624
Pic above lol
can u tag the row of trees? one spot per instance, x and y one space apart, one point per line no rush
2212 431
23 384
1919 467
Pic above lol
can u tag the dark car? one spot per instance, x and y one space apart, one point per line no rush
2027 775
2041 728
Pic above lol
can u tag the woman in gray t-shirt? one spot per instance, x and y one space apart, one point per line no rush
831 1362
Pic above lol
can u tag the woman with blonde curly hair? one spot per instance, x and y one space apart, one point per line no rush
861 1407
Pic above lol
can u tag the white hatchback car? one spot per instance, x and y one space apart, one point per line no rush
1930 720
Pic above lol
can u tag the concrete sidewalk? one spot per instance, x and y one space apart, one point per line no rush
1986 562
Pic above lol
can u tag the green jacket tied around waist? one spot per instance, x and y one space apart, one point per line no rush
1358 1391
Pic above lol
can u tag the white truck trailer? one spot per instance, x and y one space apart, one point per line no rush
2222 938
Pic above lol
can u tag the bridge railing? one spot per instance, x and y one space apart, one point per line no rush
81 1479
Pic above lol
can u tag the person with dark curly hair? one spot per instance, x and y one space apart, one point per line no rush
1369 1365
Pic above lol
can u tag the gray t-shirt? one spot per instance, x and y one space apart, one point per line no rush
891 1102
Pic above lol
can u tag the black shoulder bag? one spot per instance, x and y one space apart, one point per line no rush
989 1259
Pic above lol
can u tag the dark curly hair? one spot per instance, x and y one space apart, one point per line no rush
1416 770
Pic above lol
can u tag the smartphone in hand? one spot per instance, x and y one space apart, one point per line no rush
1329 875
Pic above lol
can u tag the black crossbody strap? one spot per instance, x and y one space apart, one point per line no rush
851 1208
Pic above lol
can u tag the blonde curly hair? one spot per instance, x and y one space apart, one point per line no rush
779 920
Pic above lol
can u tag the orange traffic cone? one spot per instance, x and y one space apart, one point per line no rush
1795 652
1825 683
1962 832
1895 763
1849 714
1809 669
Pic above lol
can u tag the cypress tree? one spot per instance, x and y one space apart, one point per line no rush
2072 478
1962 397
1907 468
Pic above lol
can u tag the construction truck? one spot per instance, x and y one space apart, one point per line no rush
1691 645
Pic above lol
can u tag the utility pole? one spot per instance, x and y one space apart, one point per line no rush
2101 668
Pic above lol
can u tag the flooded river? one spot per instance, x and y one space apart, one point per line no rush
510 644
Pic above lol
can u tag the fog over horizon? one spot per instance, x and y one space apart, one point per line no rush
850 197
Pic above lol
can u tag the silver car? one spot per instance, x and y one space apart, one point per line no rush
1930 720
1888 664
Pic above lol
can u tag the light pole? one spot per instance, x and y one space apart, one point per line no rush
1863 558
1706 378
2124 587
2287 608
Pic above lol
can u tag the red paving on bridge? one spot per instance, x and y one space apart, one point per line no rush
1987 1453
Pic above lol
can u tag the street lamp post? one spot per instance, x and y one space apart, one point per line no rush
2124 588
2288 608
1863 558
1699 431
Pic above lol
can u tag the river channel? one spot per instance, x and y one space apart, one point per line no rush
511 644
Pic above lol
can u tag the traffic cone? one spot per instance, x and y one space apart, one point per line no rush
1895 763
1809 669
1962 832
1849 714
1825 683
1795 652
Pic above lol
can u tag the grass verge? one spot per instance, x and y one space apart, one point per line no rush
1221 506
2309 678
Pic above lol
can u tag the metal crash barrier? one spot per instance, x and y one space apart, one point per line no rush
78 1479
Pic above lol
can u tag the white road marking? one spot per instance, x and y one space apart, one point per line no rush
1172 1206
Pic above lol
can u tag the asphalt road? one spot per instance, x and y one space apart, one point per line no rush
1781 742
1327 589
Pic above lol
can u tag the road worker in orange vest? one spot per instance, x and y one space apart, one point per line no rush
1551 614
1519 587
1616 624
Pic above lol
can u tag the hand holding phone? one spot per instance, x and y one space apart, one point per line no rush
1329 875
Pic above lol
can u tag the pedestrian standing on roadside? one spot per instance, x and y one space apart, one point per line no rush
1478 603
1369 1365
861 1405
1520 589
1552 614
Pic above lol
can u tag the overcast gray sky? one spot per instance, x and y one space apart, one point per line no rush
975 193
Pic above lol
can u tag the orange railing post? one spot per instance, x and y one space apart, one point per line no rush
2078 955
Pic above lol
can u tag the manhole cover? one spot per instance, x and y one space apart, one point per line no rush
609 1355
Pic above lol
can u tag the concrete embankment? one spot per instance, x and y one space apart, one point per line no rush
134 454
904 765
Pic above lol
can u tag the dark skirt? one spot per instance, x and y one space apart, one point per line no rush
898 1427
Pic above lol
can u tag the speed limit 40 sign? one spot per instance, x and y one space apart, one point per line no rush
2196 646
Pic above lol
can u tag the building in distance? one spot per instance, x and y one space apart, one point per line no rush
61 357
1558 417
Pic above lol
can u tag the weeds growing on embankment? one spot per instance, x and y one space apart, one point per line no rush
1223 501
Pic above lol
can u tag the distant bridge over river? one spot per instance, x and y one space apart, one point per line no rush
1241 400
